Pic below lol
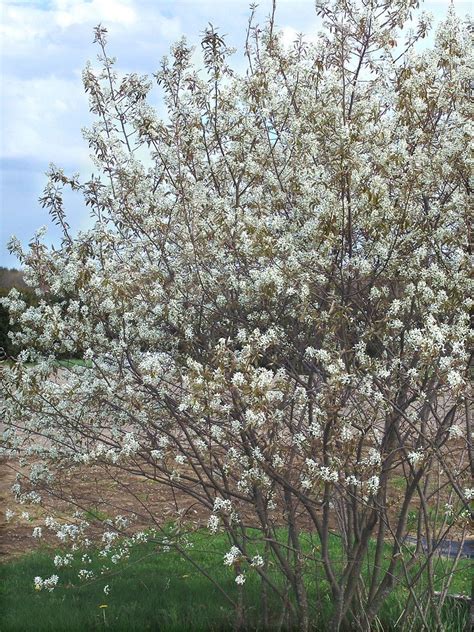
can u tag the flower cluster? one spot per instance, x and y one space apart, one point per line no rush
48 584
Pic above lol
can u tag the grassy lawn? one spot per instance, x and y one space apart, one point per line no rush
67 363
157 590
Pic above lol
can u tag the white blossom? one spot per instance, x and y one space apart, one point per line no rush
232 556
48 584
373 484
415 457
257 561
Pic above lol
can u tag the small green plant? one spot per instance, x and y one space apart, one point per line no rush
97 514
412 519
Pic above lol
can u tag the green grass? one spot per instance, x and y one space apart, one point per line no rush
157 590
67 363
73 362
154 591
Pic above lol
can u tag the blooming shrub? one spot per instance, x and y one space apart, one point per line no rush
273 300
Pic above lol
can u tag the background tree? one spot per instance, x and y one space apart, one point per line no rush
9 278
274 302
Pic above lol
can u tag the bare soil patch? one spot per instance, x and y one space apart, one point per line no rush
147 501
104 493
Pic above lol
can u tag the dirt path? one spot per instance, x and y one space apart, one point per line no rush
97 492
15 535
128 495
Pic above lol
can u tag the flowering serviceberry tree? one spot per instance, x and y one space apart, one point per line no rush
273 308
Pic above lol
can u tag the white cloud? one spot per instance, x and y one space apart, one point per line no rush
36 118
290 34
43 106
458 4
69 12
27 23
20 26
27 28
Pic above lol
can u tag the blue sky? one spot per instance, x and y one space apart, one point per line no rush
45 45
